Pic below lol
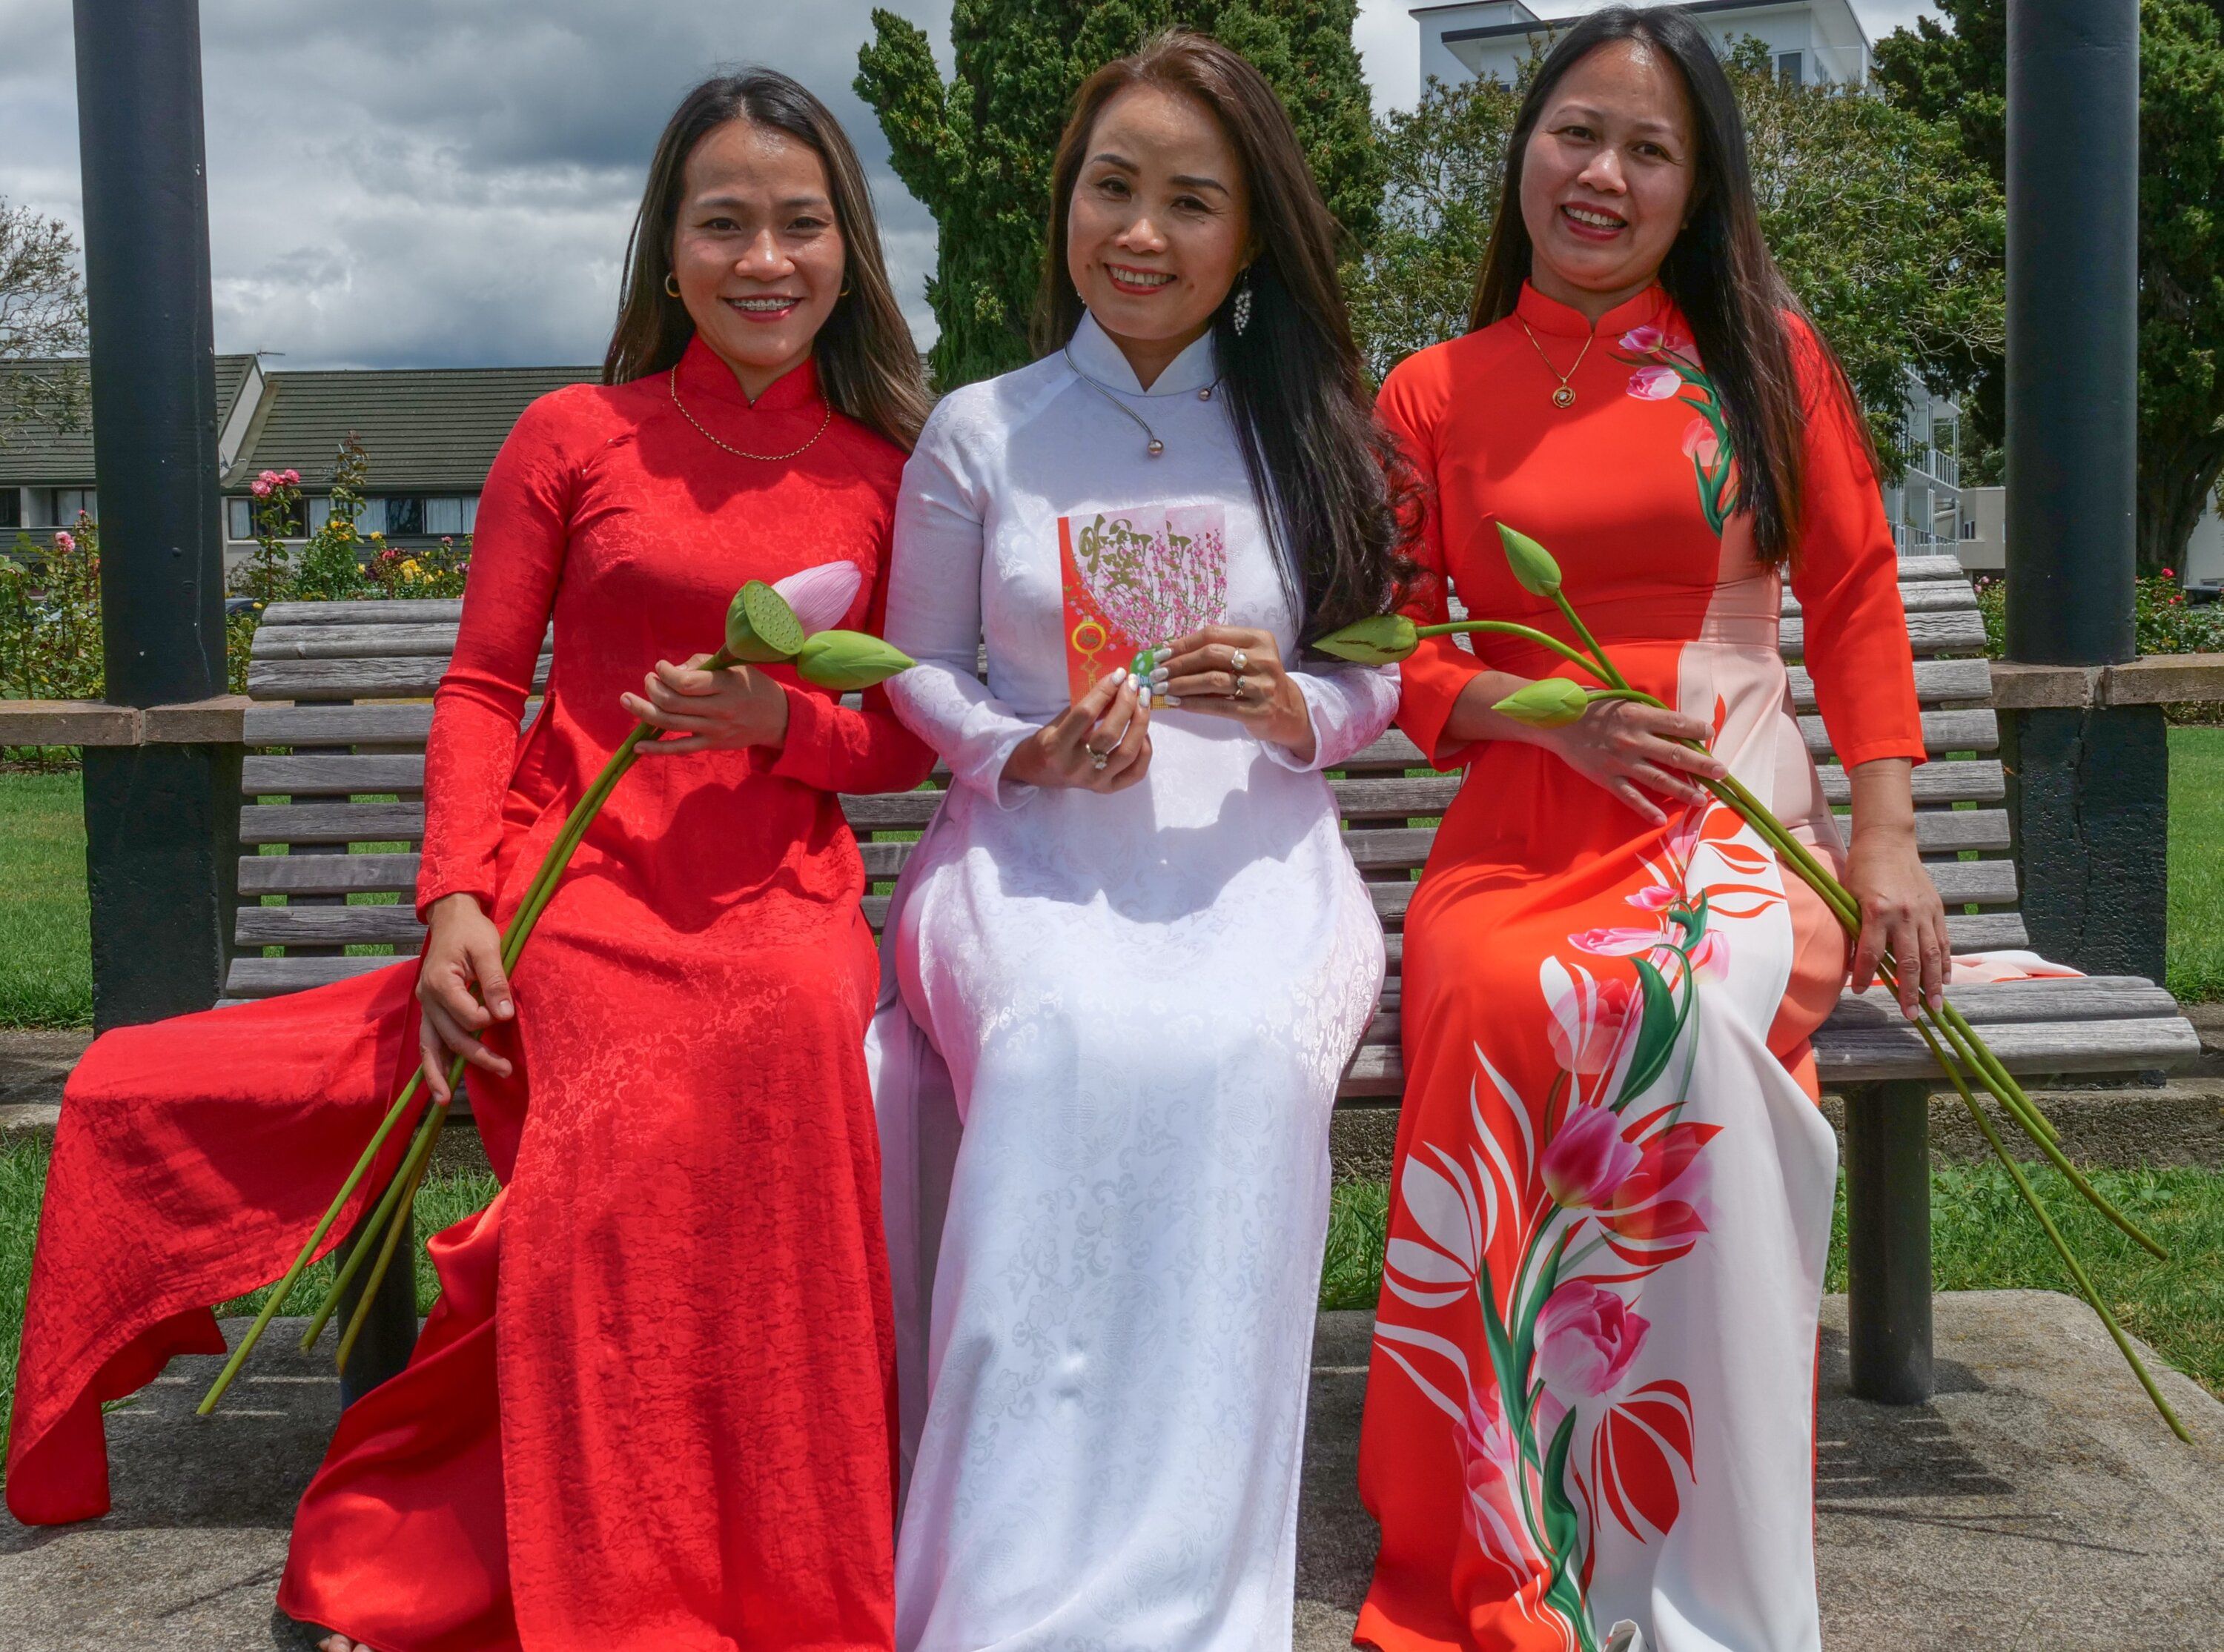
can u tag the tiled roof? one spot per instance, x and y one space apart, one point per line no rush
39 454
425 430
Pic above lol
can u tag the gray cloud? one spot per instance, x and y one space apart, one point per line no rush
418 182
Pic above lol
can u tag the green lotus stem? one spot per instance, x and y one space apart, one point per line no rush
1583 635
2077 1270
409 1178
380 1215
1508 629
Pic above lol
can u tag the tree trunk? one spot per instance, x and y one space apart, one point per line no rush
2175 485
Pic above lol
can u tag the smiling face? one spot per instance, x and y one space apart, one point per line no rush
1607 176
756 249
1160 224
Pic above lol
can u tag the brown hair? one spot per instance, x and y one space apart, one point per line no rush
1719 271
867 365
1324 470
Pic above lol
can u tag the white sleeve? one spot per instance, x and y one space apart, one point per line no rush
1350 706
934 615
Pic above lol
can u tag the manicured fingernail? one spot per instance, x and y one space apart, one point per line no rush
1158 674
1173 699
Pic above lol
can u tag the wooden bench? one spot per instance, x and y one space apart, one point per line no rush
333 816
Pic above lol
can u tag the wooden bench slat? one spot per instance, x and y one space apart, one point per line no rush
1986 1004
1986 932
357 642
339 725
327 926
1959 632
1936 682
1868 1055
1970 780
330 777
268 977
331 822
405 678
410 610
1916 596
1942 731
327 875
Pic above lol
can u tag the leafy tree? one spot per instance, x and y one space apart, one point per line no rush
1889 238
977 149
42 315
1958 74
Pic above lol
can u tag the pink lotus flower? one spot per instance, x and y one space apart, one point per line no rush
821 596
1586 1338
1655 383
1587 1160
261 486
1701 443
65 541
1643 340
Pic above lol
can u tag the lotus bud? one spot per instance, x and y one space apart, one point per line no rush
1549 703
849 659
761 627
1534 571
821 596
1379 640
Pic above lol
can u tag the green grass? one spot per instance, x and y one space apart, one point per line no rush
441 1200
46 960
1982 1238
2197 863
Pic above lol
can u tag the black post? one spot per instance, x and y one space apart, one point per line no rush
2087 784
1888 1241
162 821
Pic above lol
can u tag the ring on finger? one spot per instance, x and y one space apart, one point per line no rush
1096 760
1236 685
1237 661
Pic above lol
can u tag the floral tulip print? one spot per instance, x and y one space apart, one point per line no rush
1667 367
1547 1219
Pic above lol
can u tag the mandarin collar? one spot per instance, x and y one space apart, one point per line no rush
1550 316
1097 357
704 378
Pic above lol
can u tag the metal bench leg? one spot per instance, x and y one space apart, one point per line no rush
390 1330
1888 1241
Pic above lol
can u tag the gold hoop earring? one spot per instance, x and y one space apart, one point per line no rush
845 293
671 284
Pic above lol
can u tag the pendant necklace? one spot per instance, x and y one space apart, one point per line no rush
743 453
1154 446
1564 397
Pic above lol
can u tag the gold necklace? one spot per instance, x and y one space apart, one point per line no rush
743 453
1563 397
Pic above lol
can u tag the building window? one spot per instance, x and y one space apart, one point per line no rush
70 503
472 514
320 513
371 519
11 508
239 519
1792 68
404 517
443 516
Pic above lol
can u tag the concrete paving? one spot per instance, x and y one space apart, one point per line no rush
2037 1504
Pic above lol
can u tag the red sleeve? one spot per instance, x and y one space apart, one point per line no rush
517 556
1412 402
841 748
1846 575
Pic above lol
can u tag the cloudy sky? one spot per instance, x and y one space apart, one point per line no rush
449 182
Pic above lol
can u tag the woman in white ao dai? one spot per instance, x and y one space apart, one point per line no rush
1138 997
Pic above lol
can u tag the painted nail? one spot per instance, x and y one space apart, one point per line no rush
1158 676
1173 699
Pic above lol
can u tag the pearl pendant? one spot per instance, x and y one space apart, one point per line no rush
1156 447
1206 395
1563 397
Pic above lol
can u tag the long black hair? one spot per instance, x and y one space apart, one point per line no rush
867 365
1330 480
1719 271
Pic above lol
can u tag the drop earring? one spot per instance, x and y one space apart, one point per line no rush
1239 314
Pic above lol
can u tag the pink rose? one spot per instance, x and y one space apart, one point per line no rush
65 542
1643 340
1655 383
260 487
1586 1338
291 478
1587 1160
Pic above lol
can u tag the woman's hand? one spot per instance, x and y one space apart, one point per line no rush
1631 749
463 950
1229 671
1901 913
1102 742
720 710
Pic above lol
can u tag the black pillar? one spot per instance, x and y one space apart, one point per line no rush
162 821
1888 1241
2088 786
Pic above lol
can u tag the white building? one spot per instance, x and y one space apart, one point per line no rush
1927 507
1812 41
